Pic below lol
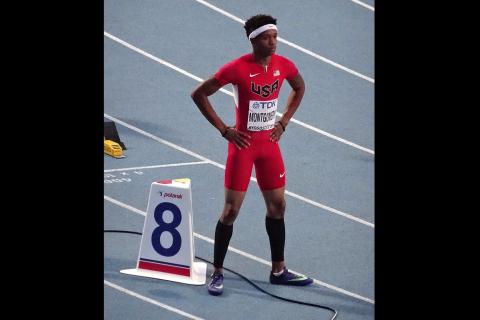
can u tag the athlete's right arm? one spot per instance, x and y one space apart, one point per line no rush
200 97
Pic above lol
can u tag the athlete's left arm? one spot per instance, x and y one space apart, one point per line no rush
293 101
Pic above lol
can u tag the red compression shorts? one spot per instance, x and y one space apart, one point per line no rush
266 157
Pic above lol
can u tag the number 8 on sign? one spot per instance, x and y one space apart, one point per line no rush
167 227
169 216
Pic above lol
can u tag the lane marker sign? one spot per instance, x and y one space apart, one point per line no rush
167 248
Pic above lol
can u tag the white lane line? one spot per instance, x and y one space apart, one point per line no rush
247 255
329 135
149 300
124 205
192 76
216 164
340 213
296 46
364 4
165 142
158 166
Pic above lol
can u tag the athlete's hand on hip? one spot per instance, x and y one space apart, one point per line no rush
276 132
238 138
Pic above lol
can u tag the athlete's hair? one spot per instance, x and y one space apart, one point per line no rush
257 21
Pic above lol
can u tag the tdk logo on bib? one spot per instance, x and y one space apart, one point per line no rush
264 104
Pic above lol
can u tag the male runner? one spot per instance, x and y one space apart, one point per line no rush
256 78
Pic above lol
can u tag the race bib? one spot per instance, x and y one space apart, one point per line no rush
261 115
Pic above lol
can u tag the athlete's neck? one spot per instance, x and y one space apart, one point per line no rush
262 60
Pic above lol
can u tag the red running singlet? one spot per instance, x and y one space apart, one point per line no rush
256 89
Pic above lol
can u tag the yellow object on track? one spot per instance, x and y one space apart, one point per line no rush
113 149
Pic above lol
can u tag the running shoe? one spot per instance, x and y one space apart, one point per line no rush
215 287
290 279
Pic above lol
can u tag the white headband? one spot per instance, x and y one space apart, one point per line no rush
257 31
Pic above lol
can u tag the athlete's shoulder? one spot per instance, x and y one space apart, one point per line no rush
287 65
231 71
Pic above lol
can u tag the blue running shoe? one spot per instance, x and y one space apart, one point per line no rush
215 288
290 279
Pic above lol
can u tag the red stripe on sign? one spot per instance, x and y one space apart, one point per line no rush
165 181
164 268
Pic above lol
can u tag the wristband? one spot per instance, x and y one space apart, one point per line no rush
283 127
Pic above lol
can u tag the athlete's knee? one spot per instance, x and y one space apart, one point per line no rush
276 209
230 213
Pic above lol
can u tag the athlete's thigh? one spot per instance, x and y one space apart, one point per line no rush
238 168
269 168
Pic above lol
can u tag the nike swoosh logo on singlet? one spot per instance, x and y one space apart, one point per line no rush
253 75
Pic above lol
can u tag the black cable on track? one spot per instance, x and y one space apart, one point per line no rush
249 281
